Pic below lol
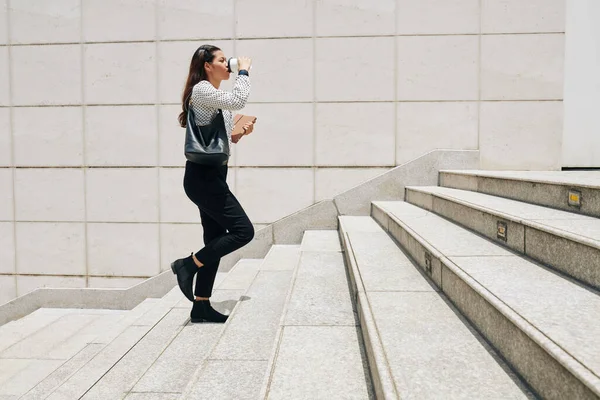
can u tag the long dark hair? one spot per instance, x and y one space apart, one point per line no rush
204 54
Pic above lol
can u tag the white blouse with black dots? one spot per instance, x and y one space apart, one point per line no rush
207 100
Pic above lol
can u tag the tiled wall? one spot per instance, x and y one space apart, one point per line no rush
91 155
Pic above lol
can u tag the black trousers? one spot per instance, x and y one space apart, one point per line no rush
226 225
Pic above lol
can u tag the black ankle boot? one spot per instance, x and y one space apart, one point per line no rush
202 311
185 269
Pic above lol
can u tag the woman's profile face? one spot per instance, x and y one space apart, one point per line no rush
218 68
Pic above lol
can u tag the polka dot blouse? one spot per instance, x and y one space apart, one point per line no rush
207 100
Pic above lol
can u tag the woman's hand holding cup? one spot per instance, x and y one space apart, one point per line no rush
244 63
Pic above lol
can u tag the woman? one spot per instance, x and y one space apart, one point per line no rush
226 225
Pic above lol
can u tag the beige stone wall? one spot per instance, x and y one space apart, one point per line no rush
91 155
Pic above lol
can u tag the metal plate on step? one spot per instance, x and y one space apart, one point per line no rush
502 231
428 264
574 199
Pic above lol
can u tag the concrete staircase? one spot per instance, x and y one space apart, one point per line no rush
461 291
465 294
290 311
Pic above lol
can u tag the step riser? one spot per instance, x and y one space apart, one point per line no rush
380 374
572 258
544 194
381 378
538 368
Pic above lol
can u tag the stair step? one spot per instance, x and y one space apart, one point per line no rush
60 374
244 273
228 379
17 376
43 343
319 240
280 258
78 383
546 188
89 346
76 350
96 371
320 362
15 331
121 378
546 326
251 331
566 241
174 368
318 352
431 351
133 316
320 295
73 345
237 364
152 396
107 349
